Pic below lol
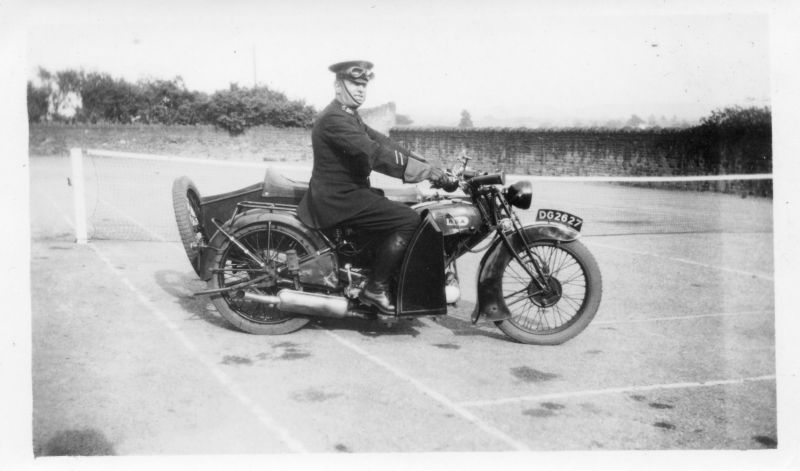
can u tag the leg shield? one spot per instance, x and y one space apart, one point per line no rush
420 288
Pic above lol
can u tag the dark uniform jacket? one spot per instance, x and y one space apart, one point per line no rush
346 151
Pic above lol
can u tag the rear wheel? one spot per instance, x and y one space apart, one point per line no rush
186 203
269 241
554 315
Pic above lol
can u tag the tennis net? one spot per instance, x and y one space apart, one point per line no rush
128 197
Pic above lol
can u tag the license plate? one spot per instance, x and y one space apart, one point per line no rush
560 217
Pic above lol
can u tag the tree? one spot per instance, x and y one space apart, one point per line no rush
738 117
403 120
736 140
168 102
99 97
673 122
65 93
612 124
466 120
37 103
634 122
108 99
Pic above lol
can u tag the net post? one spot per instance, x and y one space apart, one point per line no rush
78 195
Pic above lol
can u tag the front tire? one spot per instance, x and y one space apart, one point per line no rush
551 318
269 240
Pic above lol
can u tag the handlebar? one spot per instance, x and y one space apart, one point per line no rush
471 178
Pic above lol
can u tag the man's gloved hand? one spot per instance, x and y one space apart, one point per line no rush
441 179
436 174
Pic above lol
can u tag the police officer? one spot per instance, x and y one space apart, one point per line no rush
346 151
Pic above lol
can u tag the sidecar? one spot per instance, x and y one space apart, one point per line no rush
195 214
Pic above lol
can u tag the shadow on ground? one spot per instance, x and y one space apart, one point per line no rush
86 442
460 327
181 285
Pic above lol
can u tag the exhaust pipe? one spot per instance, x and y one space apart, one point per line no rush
299 302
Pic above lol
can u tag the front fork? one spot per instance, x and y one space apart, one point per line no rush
538 274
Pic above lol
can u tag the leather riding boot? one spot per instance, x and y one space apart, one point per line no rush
376 291
377 294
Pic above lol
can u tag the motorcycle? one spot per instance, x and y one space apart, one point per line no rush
268 273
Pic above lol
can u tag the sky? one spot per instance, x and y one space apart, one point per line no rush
506 62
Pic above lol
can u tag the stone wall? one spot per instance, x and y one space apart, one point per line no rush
580 152
261 143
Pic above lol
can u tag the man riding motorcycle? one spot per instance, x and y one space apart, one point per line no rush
346 151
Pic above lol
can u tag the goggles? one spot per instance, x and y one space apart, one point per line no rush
356 72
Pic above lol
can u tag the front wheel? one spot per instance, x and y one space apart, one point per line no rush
556 314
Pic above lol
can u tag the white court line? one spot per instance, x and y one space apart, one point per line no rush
762 276
625 389
681 318
225 380
438 397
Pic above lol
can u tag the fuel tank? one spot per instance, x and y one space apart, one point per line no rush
453 217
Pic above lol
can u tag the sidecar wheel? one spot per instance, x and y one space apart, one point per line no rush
188 216
270 241
569 306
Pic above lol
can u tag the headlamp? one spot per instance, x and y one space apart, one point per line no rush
520 194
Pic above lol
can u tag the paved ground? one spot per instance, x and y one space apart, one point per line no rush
680 356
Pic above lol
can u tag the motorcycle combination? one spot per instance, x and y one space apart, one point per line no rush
268 273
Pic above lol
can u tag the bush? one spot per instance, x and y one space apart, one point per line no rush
237 109
169 102
105 99
109 100
739 119
736 140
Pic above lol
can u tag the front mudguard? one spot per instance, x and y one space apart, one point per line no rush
252 216
490 301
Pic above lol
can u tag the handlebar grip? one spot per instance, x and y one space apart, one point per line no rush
447 183
489 179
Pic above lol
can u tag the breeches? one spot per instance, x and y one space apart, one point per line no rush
384 217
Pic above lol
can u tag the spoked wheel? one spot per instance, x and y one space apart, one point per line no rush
186 203
565 307
269 241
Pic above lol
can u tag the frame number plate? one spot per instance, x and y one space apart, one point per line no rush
560 217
